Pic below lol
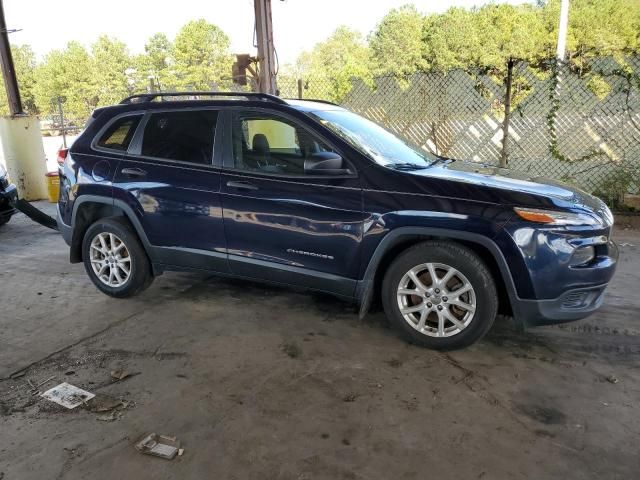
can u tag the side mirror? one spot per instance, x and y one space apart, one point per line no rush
325 163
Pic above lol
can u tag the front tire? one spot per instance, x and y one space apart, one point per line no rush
440 295
114 258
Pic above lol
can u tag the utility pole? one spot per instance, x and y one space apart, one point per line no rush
562 30
8 70
266 50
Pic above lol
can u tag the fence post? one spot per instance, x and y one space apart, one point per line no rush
300 88
504 159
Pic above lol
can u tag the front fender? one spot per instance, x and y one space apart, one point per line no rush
365 287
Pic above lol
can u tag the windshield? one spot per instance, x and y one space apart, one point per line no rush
373 140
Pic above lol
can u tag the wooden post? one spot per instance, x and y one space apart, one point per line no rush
266 51
504 159
300 88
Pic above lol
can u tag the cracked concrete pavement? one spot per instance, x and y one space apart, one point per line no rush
263 382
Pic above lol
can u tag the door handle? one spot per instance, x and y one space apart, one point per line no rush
242 185
133 172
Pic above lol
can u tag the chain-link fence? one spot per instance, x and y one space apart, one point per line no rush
580 125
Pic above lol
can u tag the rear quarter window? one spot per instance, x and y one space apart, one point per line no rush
119 134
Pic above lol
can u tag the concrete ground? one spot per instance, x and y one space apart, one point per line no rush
264 383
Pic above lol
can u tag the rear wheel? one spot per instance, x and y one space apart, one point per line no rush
4 220
440 295
114 258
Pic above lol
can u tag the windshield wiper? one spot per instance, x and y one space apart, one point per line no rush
406 166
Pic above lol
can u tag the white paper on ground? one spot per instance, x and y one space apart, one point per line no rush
67 395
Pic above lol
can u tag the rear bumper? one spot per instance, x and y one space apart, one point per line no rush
65 230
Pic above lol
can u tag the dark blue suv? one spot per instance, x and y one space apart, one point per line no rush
306 193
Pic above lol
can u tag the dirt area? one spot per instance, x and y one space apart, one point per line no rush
260 383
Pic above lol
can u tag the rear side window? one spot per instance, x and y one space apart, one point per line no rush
183 136
119 134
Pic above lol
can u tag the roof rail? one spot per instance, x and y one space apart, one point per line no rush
314 100
149 97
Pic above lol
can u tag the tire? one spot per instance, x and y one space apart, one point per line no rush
443 316
106 235
4 220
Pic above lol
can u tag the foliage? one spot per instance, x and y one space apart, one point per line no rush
613 188
332 63
403 42
396 43
24 62
68 74
200 57
110 61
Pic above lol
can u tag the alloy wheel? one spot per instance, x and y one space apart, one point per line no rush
110 259
436 299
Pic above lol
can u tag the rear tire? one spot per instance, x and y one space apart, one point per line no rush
114 258
452 311
4 220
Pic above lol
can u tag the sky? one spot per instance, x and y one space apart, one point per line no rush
297 24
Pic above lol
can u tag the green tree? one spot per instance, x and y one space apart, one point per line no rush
154 63
597 27
331 65
451 40
396 43
110 62
67 73
201 58
24 62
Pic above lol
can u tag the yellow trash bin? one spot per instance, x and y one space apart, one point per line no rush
53 186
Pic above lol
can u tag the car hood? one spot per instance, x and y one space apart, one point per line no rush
493 177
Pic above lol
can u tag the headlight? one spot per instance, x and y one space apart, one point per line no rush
3 171
550 217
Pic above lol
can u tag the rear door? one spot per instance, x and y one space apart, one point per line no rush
169 178
282 222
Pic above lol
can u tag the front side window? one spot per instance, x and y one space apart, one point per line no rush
271 144
185 136
119 134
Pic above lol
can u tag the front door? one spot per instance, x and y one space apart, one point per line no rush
169 179
284 222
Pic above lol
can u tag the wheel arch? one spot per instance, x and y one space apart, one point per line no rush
402 238
89 208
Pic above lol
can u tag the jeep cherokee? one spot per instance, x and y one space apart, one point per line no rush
309 194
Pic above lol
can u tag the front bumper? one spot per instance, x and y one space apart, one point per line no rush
8 198
548 287
572 305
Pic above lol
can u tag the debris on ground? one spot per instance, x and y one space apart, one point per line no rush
68 395
160 446
291 349
180 452
119 375
109 417
612 379
625 244
103 403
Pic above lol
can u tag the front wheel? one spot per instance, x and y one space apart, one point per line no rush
114 258
440 295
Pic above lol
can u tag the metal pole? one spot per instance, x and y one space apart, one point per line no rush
8 70
504 158
562 30
266 51
64 130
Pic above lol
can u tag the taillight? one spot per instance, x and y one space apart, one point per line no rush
62 155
